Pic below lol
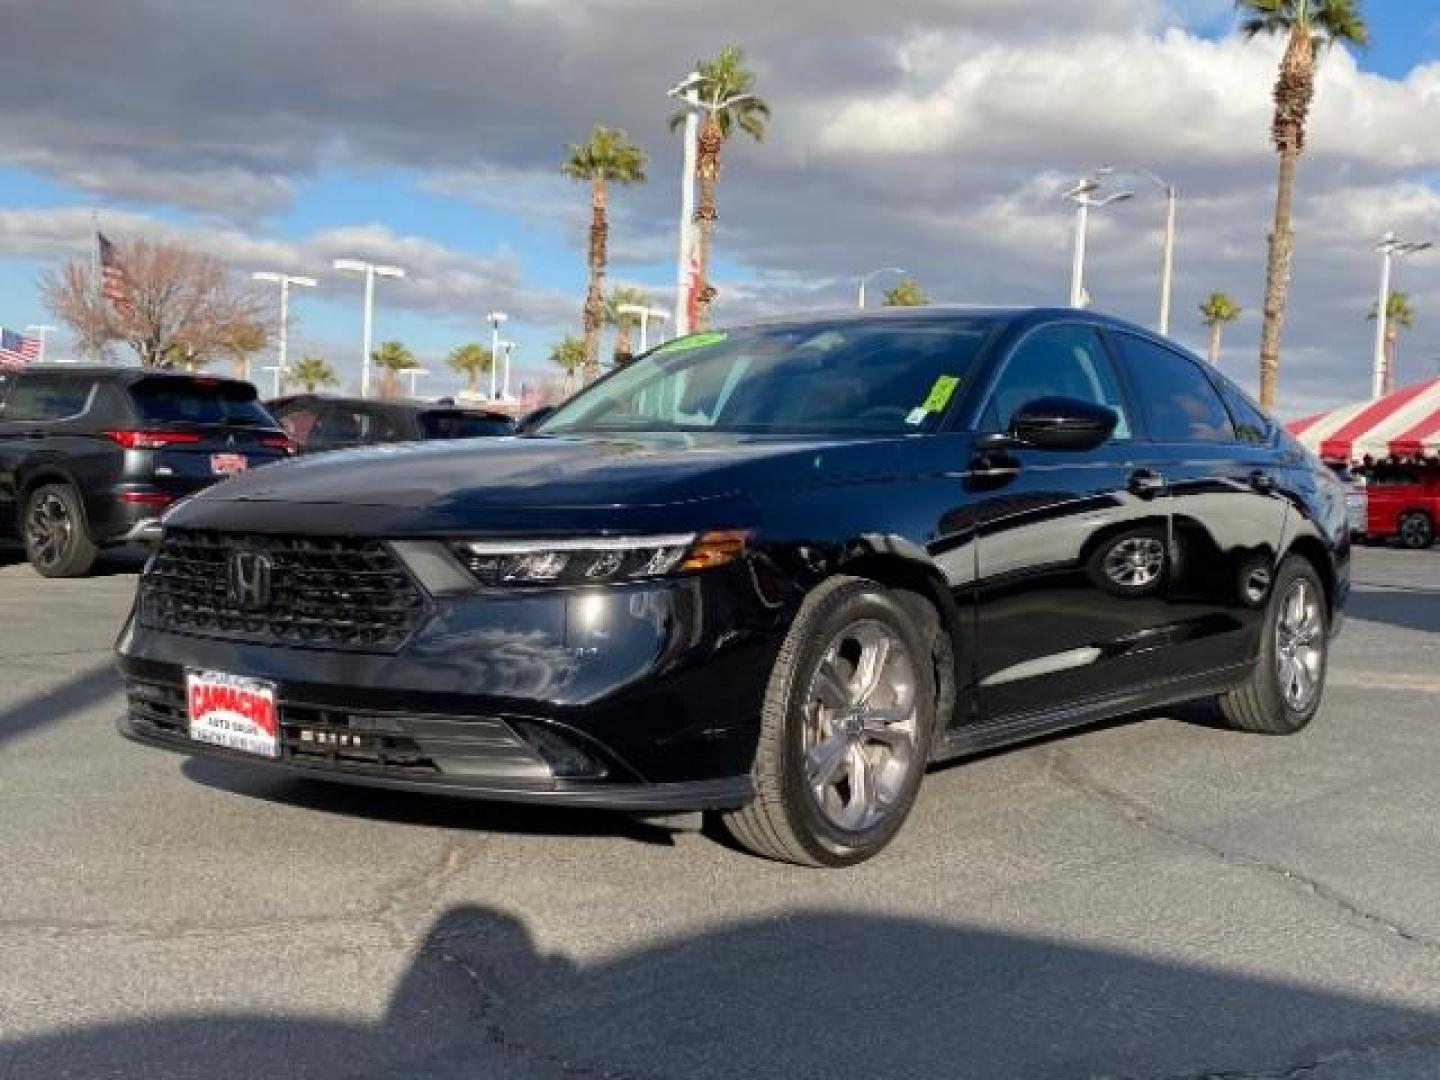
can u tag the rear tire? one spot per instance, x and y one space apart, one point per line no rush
57 541
1287 684
846 727
1417 530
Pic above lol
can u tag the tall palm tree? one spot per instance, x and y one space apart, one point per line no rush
392 358
313 372
1310 25
622 321
907 292
568 354
471 360
1216 312
1399 315
727 97
608 157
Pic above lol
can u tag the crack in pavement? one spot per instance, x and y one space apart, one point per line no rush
418 895
1310 1068
1070 772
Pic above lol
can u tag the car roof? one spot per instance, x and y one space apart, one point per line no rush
1014 314
416 405
120 374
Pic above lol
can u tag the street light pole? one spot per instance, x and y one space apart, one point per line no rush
508 347
644 314
285 281
40 331
865 280
495 318
1081 195
1167 258
278 371
1389 247
687 92
371 272
415 373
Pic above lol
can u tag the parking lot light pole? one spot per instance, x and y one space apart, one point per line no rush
370 271
278 371
415 373
495 318
285 281
1389 247
644 315
1167 258
1082 195
507 347
865 280
40 331
687 92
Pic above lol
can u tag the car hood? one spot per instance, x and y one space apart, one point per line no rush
559 472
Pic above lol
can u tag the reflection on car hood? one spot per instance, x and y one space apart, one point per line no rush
589 471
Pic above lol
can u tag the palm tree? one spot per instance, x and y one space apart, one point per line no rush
623 322
726 96
609 157
1311 25
392 358
569 355
1399 315
1216 311
313 372
906 293
246 339
471 360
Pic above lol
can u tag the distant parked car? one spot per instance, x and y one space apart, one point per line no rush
316 423
1357 498
1404 502
91 456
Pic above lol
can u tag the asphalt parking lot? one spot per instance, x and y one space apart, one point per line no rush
1149 899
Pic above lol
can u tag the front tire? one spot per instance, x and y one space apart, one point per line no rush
1283 692
1417 531
846 728
57 542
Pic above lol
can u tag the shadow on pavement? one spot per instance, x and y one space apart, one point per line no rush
1408 608
75 695
413 808
811 994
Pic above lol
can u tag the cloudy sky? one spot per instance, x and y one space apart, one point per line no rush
935 135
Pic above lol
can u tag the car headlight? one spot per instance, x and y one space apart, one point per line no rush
596 560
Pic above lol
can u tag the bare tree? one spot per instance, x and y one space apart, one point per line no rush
169 303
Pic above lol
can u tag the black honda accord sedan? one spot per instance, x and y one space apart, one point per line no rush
770 572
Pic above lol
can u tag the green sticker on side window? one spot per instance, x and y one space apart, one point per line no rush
941 393
693 341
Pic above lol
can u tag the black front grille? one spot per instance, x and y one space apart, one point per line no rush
332 593
309 735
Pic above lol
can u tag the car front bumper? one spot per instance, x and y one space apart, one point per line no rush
642 697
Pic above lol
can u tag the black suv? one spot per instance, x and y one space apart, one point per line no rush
315 422
773 572
91 456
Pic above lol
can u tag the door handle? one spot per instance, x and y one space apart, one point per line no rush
1146 483
1262 481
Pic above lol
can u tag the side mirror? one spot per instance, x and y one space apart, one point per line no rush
1062 423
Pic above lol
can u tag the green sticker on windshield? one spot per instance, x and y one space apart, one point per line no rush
941 393
693 341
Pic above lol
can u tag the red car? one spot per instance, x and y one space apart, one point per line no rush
1404 502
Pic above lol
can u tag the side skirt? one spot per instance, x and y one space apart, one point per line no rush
975 738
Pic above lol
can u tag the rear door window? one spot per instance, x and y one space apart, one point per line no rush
47 397
178 400
454 424
347 424
1180 404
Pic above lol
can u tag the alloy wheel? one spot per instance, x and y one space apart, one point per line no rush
1416 531
48 529
1135 562
860 726
1300 644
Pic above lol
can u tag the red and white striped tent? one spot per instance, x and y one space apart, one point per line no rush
1403 424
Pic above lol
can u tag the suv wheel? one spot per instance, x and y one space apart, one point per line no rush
846 729
1283 692
1416 529
56 541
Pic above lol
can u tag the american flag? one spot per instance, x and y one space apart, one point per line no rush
112 275
17 350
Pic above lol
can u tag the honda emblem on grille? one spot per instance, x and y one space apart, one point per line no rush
248 582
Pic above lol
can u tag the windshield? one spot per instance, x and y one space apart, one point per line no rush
851 377
177 400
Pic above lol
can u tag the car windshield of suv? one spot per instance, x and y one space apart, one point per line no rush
463 425
178 400
880 376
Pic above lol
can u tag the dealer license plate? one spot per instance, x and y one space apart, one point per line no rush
233 711
228 464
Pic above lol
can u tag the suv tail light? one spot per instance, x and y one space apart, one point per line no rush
151 440
278 442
